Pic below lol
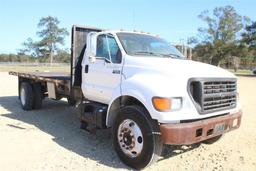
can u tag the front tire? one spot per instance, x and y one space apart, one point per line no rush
136 137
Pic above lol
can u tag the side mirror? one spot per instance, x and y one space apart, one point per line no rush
91 46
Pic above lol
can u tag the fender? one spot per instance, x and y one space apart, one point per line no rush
134 88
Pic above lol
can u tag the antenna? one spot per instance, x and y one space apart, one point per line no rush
133 19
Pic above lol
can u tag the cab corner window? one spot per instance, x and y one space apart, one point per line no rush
107 48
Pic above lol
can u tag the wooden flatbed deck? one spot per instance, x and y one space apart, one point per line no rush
60 80
55 77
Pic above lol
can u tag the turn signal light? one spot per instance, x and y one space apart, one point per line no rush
161 104
167 104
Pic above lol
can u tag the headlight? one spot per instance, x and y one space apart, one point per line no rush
167 104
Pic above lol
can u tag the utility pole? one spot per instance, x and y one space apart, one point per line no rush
133 19
51 54
190 53
185 51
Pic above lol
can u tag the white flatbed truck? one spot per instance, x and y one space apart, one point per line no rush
142 88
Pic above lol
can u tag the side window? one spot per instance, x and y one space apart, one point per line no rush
107 48
102 49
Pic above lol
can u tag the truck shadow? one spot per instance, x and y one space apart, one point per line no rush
58 119
174 150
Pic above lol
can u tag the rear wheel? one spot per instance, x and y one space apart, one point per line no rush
26 96
71 101
135 137
38 96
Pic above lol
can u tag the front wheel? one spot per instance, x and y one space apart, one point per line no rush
136 137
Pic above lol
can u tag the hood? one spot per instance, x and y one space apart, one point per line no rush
176 67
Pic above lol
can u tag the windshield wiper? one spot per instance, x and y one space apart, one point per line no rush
147 53
172 55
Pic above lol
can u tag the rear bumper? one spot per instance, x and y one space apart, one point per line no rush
193 132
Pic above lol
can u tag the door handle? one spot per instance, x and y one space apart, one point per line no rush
86 69
116 71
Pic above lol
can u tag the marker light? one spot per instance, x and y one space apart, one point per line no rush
166 104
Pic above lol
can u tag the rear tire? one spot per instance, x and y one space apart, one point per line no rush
135 137
26 96
254 71
71 101
38 96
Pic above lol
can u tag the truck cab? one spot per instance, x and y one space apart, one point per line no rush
146 82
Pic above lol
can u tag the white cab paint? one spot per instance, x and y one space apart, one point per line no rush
143 78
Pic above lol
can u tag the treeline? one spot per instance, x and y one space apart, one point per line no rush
61 56
228 39
48 48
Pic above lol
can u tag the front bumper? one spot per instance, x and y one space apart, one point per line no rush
197 131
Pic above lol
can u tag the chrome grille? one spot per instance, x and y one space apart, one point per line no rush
213 95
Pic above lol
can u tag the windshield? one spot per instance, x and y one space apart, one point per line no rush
147 45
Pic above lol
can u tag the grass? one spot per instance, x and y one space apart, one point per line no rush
241 72
28 68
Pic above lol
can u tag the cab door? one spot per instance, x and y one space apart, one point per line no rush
102 76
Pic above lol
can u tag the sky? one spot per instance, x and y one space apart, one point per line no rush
173 20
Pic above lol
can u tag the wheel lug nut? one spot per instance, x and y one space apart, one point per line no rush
131 124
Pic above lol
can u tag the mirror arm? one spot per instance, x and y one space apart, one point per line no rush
107 60
92 59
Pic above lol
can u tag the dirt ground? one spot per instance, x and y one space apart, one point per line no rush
50 139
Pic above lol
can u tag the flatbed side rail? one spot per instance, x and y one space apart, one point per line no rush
38 78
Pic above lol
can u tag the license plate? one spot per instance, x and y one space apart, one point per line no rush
219 128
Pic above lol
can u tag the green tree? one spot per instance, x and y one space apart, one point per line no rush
29 47
219 37
249 36
249 40
62 56
52 36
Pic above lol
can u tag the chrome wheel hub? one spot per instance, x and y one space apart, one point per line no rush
130 138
